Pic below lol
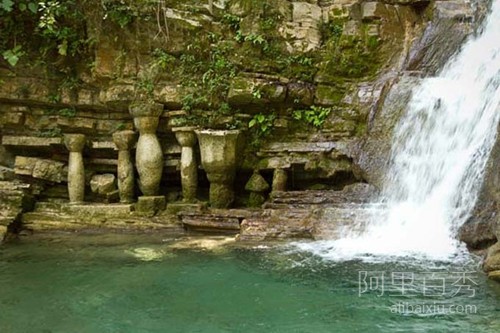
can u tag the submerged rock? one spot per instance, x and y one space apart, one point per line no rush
213 244
147 254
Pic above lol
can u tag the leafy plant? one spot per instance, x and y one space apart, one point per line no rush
232 21
206 72
67 112
256 93
13 55
50 133
119 12
315 116
262 123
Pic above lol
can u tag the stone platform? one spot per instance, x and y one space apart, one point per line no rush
287 215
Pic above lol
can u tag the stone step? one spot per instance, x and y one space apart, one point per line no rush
355 193
211 223
48 206
215 220
43 221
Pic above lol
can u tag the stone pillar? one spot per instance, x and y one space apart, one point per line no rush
76 171
257 186
148 156
124 141
280 178
218 158
189 168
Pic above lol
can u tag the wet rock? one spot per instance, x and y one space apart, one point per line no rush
454 9
481 230
441 37
214 244
103 184
478 233
211 223
494 275
147 254
355 193
373 153
492 261
278 224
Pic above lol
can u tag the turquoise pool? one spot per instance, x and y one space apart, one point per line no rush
130 283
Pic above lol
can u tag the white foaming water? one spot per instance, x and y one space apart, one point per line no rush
440 149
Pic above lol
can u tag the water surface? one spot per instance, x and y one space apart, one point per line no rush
85 283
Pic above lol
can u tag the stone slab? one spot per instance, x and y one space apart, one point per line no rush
180 207
98 210
40 168
211 223
150 205
30 141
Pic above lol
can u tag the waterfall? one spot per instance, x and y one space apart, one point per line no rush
439 151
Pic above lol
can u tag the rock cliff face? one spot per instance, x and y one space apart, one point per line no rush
315 86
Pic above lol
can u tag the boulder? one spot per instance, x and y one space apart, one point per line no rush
103 184
492 261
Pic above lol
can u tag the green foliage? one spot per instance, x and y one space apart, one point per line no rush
262 123
54 97
163 59
232 21
120 12
13 55
206 72
349 56
67 112
299 66
261 126
8 5
42 29
332 29
256 93
315 116
50 133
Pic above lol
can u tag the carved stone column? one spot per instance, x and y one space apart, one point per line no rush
280 178
257 186
76 170
124 141
148 156
218 158
189 168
